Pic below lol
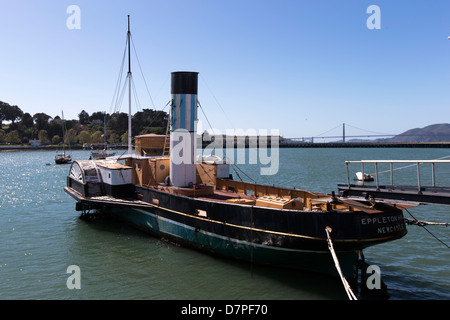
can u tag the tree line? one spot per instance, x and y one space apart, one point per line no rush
21 127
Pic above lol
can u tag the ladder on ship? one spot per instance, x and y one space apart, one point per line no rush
407 194
166 149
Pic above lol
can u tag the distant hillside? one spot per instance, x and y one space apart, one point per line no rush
432 133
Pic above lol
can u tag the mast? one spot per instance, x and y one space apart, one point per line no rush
104 130
64 134
129 88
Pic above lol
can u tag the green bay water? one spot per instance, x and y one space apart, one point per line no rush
41 235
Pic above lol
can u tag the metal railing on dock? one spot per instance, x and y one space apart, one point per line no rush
416 193
391 170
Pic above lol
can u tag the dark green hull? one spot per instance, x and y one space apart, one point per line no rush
217 245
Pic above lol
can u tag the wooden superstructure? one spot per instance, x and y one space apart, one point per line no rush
150 144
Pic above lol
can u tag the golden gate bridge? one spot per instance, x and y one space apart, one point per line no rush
343 136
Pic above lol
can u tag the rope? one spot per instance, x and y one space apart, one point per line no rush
347 288
423 223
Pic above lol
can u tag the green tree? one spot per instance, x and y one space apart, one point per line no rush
119 122
41 121
56 139
55 127
96 137
14 114
124 137
12 137
71 136
31 132
43 136
26 121
84 137
83 116
114 138
9 113
97 116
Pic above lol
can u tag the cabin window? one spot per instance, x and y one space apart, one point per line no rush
162 167
250 192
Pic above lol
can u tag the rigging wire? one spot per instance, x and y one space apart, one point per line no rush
136 97
120 89
119 81
160 115
233 165
423 226
217 101
207 120
243 172
142 73
120 98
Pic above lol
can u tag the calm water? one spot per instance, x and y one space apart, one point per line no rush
41 235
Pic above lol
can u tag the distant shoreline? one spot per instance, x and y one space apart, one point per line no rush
368 145
281 145
30 148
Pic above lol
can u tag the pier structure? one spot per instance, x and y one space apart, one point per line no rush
391 192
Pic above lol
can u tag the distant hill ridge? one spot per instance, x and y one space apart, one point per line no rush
432 133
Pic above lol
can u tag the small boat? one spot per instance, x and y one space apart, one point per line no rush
62 158
366 177
104 153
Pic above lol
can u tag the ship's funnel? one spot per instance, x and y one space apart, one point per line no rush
183 128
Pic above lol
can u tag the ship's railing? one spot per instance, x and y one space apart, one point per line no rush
391 163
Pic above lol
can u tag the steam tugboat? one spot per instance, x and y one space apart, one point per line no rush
198 204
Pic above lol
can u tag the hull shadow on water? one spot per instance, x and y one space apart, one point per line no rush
256 281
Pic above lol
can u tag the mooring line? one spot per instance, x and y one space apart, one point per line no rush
422 224
347 287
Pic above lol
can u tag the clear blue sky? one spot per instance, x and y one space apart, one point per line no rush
302 67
